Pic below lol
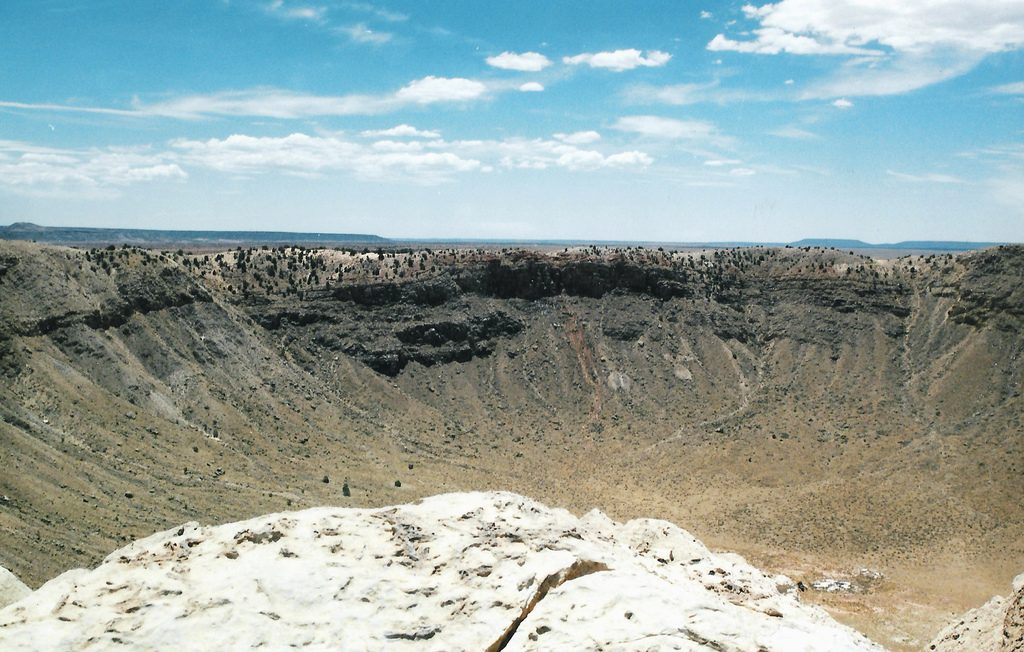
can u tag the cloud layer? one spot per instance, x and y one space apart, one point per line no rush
92 173
620 60
524 62
870 27
667 128
282 104
401 153
423 161
893 47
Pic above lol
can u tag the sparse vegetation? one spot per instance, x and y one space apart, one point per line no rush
752 389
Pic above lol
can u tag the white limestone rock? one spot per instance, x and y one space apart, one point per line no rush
996 626
11 588
473 571
977 630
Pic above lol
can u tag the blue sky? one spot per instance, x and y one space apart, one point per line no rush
671 121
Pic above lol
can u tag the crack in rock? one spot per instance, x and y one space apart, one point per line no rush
579 568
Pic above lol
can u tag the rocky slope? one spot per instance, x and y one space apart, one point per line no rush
478 571
996 626
820 411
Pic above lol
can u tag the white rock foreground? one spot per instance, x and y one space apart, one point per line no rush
473 571
996 626
11 588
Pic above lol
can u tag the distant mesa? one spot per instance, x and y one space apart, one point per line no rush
913 245
830 242
23 227
88 236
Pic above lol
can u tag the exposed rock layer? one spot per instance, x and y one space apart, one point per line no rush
846 411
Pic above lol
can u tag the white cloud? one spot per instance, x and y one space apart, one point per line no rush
319 16
92 173
440 89
532 87
742 172
377 12
579 137
523 62
620 60
402 153
678 94
841 26
925 178
306 13
795 133
427 159
1011 152
269 103
274 103
892 75
577 159
282 104
1015 88
296 12
243 153
400 131
69 108
842 103
581 159
540 154
423 161
629 159
899 46
775 41
721 162
694 93
668 128
398 146
706 15
360 33
302 154
427 167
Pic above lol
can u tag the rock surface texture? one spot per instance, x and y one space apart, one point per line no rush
470 571
11 588
996 626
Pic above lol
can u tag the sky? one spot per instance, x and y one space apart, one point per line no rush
674 121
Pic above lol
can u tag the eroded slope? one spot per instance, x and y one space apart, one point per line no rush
818 410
